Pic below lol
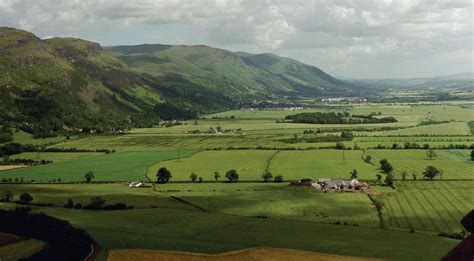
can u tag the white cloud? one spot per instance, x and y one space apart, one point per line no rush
337 35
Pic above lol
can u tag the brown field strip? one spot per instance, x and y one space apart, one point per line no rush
250 254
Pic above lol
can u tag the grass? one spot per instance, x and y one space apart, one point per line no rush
278 200
456 164
19 250
26 138
436 206
121 166
197 231
58 194
250 164
321 164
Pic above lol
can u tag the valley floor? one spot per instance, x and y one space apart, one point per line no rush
213 216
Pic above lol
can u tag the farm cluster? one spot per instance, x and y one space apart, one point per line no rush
333 185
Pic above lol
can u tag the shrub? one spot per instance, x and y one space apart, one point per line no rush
26 198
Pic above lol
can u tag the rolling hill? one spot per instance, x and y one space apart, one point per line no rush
60 84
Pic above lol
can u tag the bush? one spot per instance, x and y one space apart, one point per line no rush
278 178
25 198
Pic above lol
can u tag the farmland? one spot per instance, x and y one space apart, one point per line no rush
199 216
117 166
429 206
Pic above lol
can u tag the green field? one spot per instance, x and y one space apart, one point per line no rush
197 231
280 201
436 206
21 249
250 164
55 156
321 164
116 166
454 163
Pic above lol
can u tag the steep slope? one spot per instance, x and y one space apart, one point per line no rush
305 79
47 86
240 76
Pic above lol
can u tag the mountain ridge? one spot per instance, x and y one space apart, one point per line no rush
62 83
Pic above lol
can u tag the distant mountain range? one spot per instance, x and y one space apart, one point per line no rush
60 83
461 81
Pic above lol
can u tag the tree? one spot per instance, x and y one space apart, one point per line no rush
472 155
96 202
368 159
200 180
354 174
26 198
431 154
193 177
89 176
216 175
163 175
379 178
69 204
8 196
266 176
430 172
340 146
414 175
385 166
232 175
278 178
404 175
389 179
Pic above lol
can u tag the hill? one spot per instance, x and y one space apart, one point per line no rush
69 85
240 76
461 81
51 85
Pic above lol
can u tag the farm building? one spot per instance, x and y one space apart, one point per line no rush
332 185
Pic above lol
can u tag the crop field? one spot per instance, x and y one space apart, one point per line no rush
452 128
55 156
412 113
117 166
436 206
455 164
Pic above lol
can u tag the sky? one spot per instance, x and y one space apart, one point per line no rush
346 38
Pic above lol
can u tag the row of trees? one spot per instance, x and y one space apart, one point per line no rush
164 175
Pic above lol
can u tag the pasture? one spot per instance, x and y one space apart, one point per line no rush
280 201
436 206
250 164
198 231
121 166
455 164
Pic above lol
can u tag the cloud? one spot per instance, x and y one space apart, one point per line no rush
337 35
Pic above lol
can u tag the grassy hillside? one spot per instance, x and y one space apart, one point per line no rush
240 76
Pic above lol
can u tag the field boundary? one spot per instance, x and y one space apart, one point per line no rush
188 203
